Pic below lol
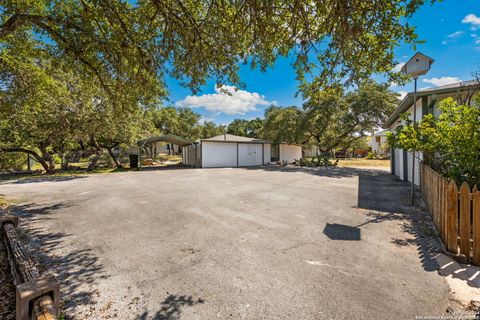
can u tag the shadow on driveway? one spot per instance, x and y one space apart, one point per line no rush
171 308
388 198
331 172
74 269
38 179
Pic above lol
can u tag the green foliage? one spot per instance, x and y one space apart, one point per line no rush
183 122
13 160
35 100
132 46
49 109
450 143
371 155
332 119
283 125
209 129
319 161
360 143
80 75
247 128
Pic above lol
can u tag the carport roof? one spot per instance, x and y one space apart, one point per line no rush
171 138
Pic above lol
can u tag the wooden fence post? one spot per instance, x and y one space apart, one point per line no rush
445 210
476 226
452 218
465 220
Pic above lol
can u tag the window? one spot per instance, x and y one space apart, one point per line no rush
274 152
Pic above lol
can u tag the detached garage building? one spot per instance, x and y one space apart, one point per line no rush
235 151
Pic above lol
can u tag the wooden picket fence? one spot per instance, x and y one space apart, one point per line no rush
455 213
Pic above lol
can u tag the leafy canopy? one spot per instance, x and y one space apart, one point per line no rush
332 118
132 47
247 128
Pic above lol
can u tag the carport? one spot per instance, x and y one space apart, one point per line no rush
169 138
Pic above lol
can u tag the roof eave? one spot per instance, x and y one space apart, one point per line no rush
403 106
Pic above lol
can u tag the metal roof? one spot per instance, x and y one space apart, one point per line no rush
407 101
170 138
233 138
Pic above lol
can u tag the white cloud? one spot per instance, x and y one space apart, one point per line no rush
402 94
441 81
471 19
453 37
204 118
227 99
456 34
398 67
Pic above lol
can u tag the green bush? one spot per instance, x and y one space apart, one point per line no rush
319 161
12 161
450 143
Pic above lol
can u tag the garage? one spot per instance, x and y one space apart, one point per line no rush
236 151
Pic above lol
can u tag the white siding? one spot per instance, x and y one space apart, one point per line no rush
249 154
190 155
418 156
267 154
219 154
399 152
290 152
399 163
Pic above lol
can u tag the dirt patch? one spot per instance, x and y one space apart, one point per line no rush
7 288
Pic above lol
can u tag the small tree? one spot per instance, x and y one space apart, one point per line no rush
209 129
283 125
450 143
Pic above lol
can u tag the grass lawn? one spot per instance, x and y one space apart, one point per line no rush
363 163
160 161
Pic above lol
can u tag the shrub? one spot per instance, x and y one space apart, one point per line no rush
319 161
12 161
450 143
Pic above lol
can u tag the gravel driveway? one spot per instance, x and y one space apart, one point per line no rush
264 243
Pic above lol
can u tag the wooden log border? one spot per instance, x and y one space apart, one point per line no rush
37 297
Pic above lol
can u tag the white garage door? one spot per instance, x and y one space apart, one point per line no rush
399 163
249 154
219 154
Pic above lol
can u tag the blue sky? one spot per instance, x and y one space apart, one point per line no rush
450 28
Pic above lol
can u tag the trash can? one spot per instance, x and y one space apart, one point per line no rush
133 161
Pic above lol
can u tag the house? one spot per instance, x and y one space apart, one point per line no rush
427 103
228 150
378 143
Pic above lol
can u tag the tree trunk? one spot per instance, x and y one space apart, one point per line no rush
114 157
47 157
93 163
40 159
